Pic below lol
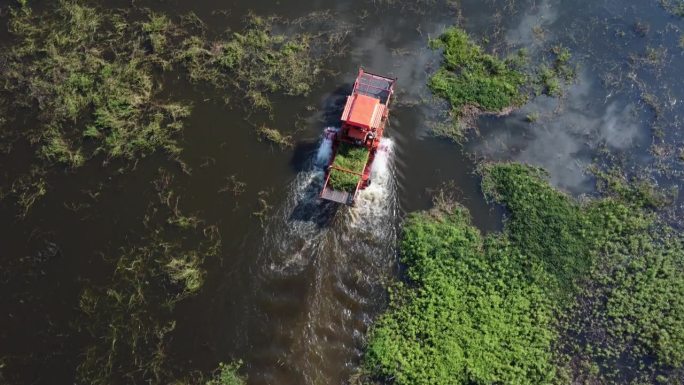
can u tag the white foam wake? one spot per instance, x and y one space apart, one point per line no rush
376 204
327 264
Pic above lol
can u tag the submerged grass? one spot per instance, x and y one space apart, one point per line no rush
87 78
257 61
550 78
351 158
274 136
675 7
28 189
129 319
486 310
93 76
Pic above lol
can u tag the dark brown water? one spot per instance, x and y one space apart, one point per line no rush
294 295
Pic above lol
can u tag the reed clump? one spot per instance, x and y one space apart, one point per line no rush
257 61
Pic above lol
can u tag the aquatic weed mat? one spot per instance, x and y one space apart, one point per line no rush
597 269
97 77
475 82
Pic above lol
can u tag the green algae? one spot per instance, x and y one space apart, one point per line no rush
129 319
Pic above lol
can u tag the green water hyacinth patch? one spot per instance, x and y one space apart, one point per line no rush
566 290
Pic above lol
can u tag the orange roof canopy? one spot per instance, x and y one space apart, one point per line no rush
361 111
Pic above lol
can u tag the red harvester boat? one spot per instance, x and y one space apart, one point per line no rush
356 143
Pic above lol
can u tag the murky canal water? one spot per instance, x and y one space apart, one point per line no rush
294 292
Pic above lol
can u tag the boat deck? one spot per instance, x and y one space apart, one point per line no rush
336 196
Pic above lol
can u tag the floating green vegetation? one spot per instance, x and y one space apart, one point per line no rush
257 61
129 319
274 136
637 191
478 313
91 79
619 257
227 374
483 311
471 77
350 158
539 213
474 82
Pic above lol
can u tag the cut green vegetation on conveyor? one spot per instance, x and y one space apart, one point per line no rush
350 158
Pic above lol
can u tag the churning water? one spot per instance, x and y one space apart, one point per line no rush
325 149
344 254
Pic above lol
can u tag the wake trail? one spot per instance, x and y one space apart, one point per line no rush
321 274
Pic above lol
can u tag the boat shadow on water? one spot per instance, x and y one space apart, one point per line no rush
310 208
301 157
